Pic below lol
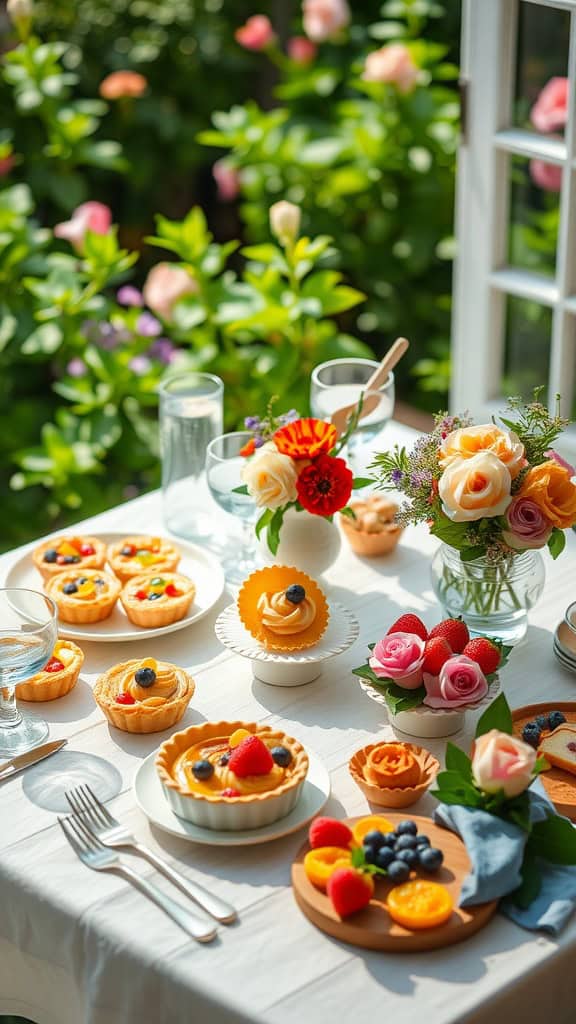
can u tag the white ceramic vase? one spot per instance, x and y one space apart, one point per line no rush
308 542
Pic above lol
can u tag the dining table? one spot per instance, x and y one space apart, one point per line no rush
80 947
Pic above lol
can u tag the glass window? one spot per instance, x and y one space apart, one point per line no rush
542 55
527 346
534 214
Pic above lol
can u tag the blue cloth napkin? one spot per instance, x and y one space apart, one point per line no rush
496 850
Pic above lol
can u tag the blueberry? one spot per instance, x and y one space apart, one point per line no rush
531 734
145 677
389 839
50 556
555 718
202 769
71 559
81 580
281 756
223 761
430 858
542 721
69 588
126 551
398 871
407 828
295 594
384 857
406 842
99 581
154 597
422 841
375 839
410 857
370 854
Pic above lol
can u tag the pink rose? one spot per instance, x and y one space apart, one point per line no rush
550 111
227 180
256 34
551 454
324 18
301 50
92 216
399 656
546 176
528 527
165 286
502 762
461 681
392 64
6 165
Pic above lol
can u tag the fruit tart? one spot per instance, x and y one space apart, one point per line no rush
393 774
283 608
133 556
57 677
84 597
153 599
60 553
373 530
232 775
144 695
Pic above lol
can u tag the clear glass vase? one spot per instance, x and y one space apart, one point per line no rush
493 600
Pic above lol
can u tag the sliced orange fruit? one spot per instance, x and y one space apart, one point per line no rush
420 904
321 863
371 823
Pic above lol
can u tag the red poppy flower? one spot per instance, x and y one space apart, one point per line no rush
305 438
325 486
249 448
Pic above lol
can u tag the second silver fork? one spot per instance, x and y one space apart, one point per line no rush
112 833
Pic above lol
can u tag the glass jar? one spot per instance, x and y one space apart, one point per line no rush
493 600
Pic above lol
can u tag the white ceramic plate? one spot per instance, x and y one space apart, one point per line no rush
152 802
201 566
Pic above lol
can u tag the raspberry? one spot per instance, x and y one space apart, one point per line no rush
53 665
86 550
484 653
349 890
141 595
329 832
251 757
410 624
230 792
125 698
172 591
436 653
454 631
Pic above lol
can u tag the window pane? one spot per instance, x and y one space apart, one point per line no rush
542 54
534 213
527 348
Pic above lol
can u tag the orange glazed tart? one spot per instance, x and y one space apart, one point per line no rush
283 608
83 597
373 530
144 695
393 774
133 556
57 678
60 553
157 599
232 775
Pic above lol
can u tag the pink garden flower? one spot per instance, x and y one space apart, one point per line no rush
122 84
6 165
399 656
256 34
301 50
546 176
551 454
528 527
91 216
227 179
324 18
461 681
393 64
165 285
550 112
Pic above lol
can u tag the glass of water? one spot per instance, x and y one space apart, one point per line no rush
28 631
223 468
340 382
191 407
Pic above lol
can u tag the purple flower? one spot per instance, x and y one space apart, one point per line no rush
163 350
252 422
76 367
289 417
148 326
420 478
397 476
259 441
128 295
140 365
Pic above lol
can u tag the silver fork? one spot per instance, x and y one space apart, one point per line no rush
100 858
112 833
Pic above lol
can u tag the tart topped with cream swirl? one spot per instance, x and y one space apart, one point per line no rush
144 695
283 608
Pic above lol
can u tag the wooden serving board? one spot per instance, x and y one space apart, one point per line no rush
559 785
373 928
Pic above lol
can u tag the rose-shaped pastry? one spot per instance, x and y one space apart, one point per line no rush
399 656
502 762
475 488
270 477
527 525
550 487
461 681
469 441
392 764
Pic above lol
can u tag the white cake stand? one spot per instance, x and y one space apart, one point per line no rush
431 723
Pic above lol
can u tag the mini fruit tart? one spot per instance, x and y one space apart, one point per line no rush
144 695
152 600
373 531
133 556
60 553
57 678
83 597
283 608
231 775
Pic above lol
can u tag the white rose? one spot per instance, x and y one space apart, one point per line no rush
270 477
475 488
285 221
502 762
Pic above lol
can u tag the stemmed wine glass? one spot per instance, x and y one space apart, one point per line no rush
28 632
223 467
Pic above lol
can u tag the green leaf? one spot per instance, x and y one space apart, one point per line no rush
46 339
556 542
242 489
348 512
398 699
263 521
469 554
497 716
8 325
531 883
365 672
361 481
453 534
553 839
457 760
273 530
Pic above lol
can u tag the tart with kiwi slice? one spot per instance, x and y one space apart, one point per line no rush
60 554
140 553
156 599
84 596
144 695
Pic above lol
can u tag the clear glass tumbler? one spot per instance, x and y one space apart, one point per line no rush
191 414
223 468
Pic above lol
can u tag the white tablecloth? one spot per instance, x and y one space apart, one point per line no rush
80 947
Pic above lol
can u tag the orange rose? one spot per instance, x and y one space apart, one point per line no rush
550 486
469 441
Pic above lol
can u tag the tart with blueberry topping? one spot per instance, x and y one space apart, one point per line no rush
157 599
83 597
133 556
144 695
60 553
283 608
232 775
57 678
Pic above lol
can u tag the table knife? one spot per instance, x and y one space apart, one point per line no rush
18 764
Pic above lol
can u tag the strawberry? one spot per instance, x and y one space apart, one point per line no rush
436 654
54 665
410 624
349 890
329 832
251 757
484 653
454 631
125 698
172 591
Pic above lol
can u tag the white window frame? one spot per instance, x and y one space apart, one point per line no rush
483 279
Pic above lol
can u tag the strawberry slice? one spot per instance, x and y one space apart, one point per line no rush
125 698
54 665
141 595
172 591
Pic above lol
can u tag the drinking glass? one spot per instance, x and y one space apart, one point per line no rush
223 467
190 416
340 382
28 631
